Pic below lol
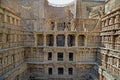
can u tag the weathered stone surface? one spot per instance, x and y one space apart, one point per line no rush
76 42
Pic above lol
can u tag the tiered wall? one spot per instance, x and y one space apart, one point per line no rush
109 52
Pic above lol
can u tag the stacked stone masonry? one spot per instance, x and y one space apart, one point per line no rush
110 47
81 42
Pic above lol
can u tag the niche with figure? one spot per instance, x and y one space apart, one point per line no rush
61 26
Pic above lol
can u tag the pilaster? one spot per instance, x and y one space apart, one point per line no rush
44 39
55 40
36 39
66 41
76 40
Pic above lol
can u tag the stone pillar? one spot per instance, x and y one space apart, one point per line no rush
5 16
106 23
48 25
76 55
65 69
111 21
55 41
88 40
55 70
76 72
11 20
118 62
66 55
94 40
55 28
36 39
45 70
44 39
112 40
16 22
103 24
45 56
72 25
54 59
117 19
66 41
19 23
84 26
76 41
100 77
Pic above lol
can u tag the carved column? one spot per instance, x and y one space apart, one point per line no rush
48 24
103 24
44 39
15 22
112 40
5 17
65 69
45 70
36 39
76 41
111 21
84 26
118 63
66 43
106 23
45 56
19 22
117 19
55 28
55 40
100 77
11 20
